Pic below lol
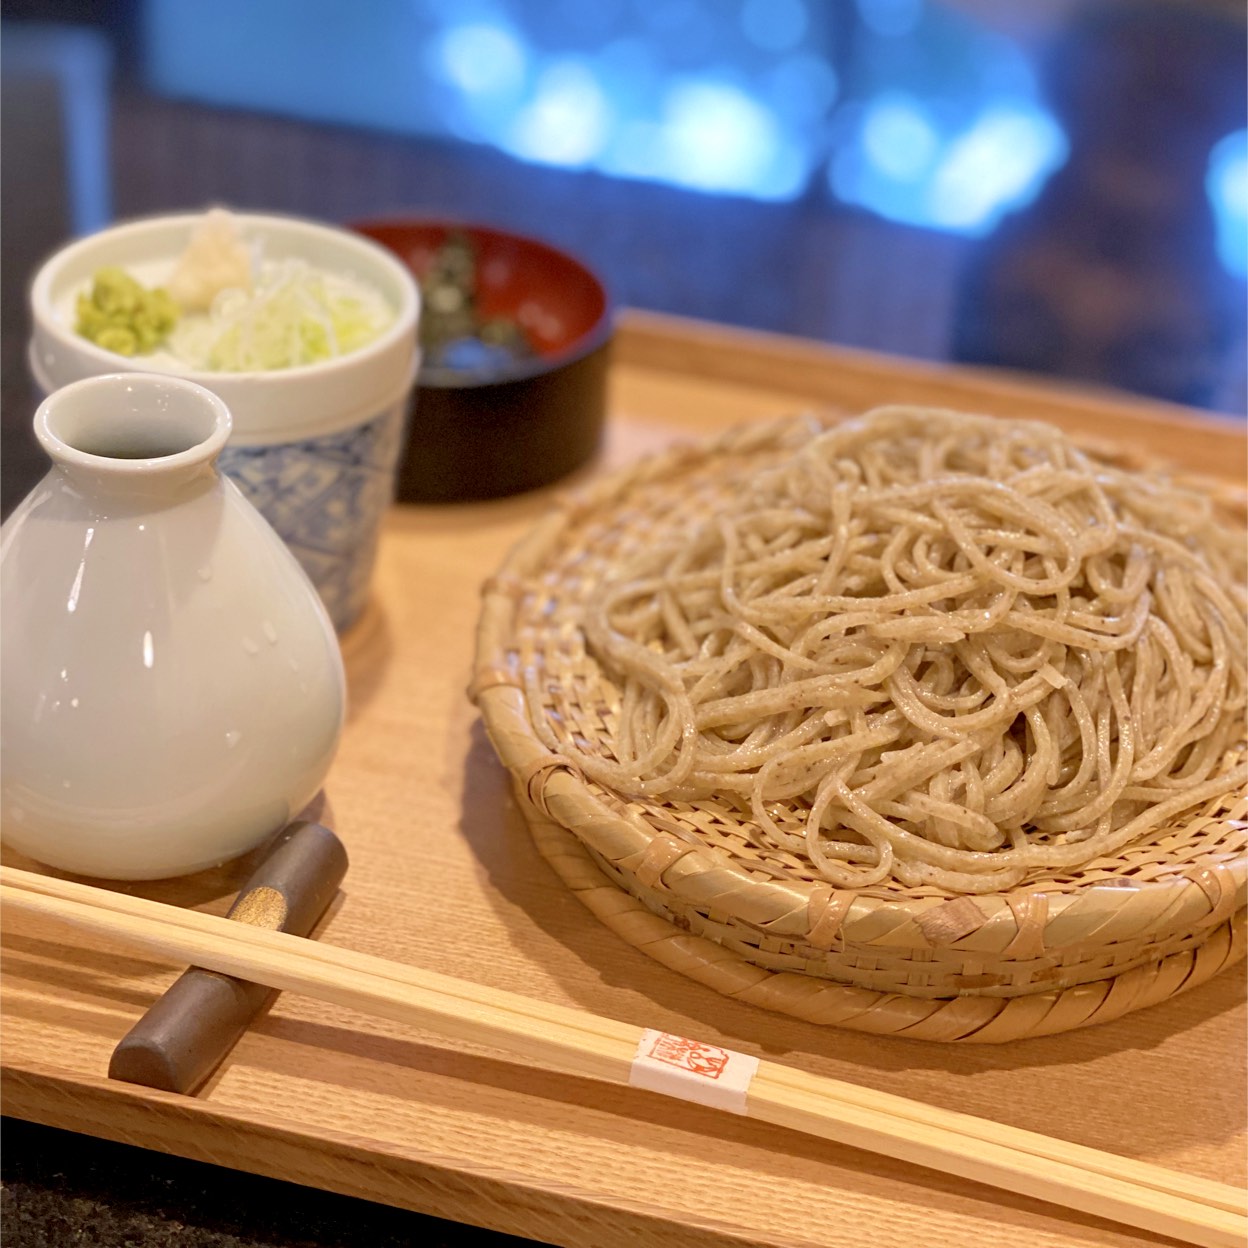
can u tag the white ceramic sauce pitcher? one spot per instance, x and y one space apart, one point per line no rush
171 690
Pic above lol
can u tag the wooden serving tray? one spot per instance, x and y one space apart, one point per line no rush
444 875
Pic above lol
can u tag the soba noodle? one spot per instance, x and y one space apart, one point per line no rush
961 649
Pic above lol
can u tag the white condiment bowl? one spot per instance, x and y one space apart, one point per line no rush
315 447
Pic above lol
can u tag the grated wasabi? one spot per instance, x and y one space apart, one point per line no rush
224 310
121 315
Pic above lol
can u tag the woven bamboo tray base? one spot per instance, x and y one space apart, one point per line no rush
965 1019
1063 950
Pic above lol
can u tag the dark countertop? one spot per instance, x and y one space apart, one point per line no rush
1023 297
60 1189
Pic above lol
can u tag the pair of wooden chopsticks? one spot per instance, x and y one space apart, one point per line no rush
1136 1193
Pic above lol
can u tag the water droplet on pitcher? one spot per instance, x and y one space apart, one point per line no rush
252 647
270 632
233 737
204 574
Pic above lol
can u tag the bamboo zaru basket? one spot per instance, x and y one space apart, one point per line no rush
689 885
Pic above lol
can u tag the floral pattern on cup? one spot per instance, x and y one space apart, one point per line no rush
325 497
301 449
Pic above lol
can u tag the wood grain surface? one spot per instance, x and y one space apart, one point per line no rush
444 876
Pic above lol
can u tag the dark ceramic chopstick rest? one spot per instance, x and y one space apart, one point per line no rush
187 1033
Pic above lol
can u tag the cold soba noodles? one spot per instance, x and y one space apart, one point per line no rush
960 649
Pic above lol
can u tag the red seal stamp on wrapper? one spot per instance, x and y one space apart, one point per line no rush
695 1056
692 1070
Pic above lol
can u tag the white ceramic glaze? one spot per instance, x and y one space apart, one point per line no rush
314 448
267 407
171 690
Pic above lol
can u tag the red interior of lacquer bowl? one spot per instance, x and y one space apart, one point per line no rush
557 300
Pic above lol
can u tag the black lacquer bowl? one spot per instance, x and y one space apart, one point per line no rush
486 432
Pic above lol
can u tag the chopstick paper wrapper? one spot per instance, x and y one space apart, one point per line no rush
1167 1202
191 1029
692 1070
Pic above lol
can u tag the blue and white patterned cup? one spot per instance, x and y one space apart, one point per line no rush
314 448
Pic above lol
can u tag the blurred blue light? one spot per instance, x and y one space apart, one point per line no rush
892 18
802 88
932 118
774 25
590 19
1227 186
788 175
902 168
898 137
482 59
636 152
618 111
450 12
1004 68
999 164
630 75
667 15
717 138
566 122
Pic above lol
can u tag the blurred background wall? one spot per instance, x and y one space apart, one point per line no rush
1049 185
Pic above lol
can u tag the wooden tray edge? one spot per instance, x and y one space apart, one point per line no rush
851 377
290 1151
